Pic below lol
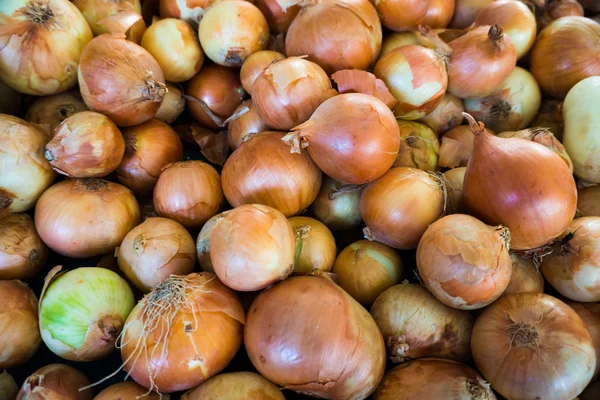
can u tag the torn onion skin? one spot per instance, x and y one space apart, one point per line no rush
590 314
22 252
315 246
55 382
129 390
456 147
337 205
356 81
49 111
525 277
255 65
235 386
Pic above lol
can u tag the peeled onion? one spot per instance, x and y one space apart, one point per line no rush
235 386
255 65
22 252
55 382
590 314
525 277
337 205
315 246
588 201
402 15
172 106
129 390
248 123
49 111
454 179
447 115
419 146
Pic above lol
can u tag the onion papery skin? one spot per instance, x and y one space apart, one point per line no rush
336 140
120 79
200 333
41 58
465 12
172 106
342 358
402 15
279 17
566 52
285 181
255 65
129 390
49 111
398 207
416 77
590 314
190 11
525 277
247 123
235 386
19 329
447 115
537 207
528 335
439 13
337 205
350 39
95 11
550 116
149 147
109 209
25 171
357 81
203 245
315 246
588 201
433 379
55 382
420 147
22 252
188 192
457 147
454 179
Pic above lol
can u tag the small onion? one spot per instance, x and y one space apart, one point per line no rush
419 146
235 386
10 100
279 14
532 345
55 382
590 314
247 123
22 252
315 246
457 147
190 11
439 13
337 205
203 244
525 277
8 386
588 201
19 329
402 15
447 115
49 111
96 11
454 179
188 192
550 117
465 12
172 106
129 390
255 65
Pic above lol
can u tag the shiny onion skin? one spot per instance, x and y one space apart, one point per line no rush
252 247
315 246
402 15
415 324
81 218
341 357
129 390
278 16
525 277
190 11
419 146
454 179
439 13
447 115
522 185
172 106
120 79
248 123
590 314
149 147
337 205
465 12
22 252
96 11
285 181
288 92
398 207
335 139
255 65
188 192
41 43
86 145
349 39
48 112
55 382
532 345
185 331
566 52
19 329
588 201
235 386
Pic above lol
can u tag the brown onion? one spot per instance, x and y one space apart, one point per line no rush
96 11
402 15
172 106
465 12
149 147
447 115
255 65
190 11
8 386
10 100
203 244
49 111
439 13
247 123
129 390
526 277
343 356
357 81
532 345
315 246
454 179
588 201
81 218
337 205
55 382
590 314
22 252
235 386
419 146
563 8
279 14
550 116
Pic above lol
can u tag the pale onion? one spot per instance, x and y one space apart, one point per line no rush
339 34
81 218
550 116
590 314
315 246
190 11
255 65
526 277
8 386
588 201
49 111
357 81
400 39
19 329
419 146
96 11
203 244
447 115
235 386
149 147
337 205
402 15
454 179
129 390
10 100
182 333
22 252
25 172
172 106
439 13
55 382
248 123
343 356
188 192
530 345
231 30
457 147
465 12
279 14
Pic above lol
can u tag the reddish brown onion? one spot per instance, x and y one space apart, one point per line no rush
55 382
279 14
402 15
22 252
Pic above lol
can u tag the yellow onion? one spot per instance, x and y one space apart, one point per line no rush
447 115
55 382
41 43
190 11
456 147
96 11
400 39
22 252
343 356
550 116
519 184
188 192
357 81
19 329
172 106
10 100
402 15
465 12
8 386
255 65
121 80
25 171
279 14
149 147
182 333
86 145
530 345
398 207
588 201
439 13
247 123
339 34
81 218
49 111
419 146
203 244
129 390
525 277
337 205
231 30
252 247
454 179
235 386
590 314
315 246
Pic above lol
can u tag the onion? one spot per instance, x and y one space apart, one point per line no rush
203 244
337 205
339 34
356 81
341 357
190 11
8 386
439 13
85 217
172 106
86 145
454 180
400 39
188 192
566 52
590 314
465 12
526 277
19 331
288 91
419 146
532 345
25 172
315 246
417 78
55 382
279 14
521 185
247 123
480 61
129 390
588 201
213 146
236 386
49 111
561 8
402 15
399 206
10 100
550 116
255 65
434 379
22 252
121 80
447 115
231 30
335 138
182 333
149 147
96 11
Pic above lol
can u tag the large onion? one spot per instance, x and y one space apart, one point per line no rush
96 11
279 16
588 201
419 148
10 100
247 123
465 12
342 356
22 252
49 111
129 390
447 115
55 382
315 246
590 314
235 386
525 277
337 205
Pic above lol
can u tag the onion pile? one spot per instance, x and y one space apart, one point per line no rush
56 381
22 252
337 205
315 246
